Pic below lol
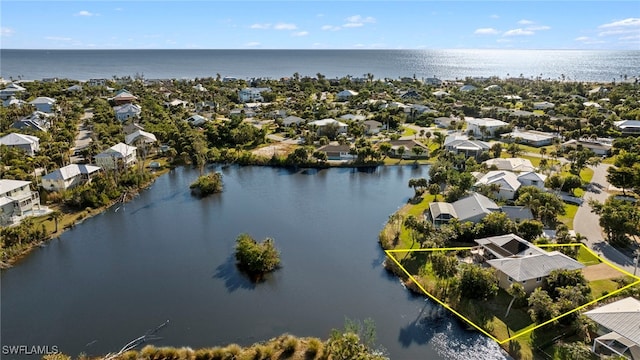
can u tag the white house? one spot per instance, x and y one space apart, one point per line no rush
252 94
28 143
69 176
628 127
337 152
322 126
292 120
472 208
485 126
139 136
598 147
467 87
461 144
345 95
510 164
12 101
506 180
196 120
74 88
618 328
372 127
127 111
532 179
16 201
530 137
440 93
44 104
117 156
11 90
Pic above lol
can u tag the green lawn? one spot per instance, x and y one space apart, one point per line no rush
587 258
408 131
567 218
602 287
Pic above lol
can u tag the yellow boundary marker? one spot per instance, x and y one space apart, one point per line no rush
526 331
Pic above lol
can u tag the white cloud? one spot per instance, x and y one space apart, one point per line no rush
525 22
6 32
330 28
118 9
84 13
486 31
285 26
538 28
252 44
260 26
629 22
495 16
353 25
360 19
587 40
57 38
518 32
300 33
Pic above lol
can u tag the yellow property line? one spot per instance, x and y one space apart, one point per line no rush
446 306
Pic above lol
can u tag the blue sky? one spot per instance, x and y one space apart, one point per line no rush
309 24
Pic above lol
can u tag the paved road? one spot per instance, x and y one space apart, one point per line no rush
83 139
587 223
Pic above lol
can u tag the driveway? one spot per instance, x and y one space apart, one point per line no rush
587 223
83 139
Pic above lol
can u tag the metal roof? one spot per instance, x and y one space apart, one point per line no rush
622 317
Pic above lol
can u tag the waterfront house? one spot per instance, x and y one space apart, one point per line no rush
473 208
517 260
140 136
44 104
28 143
324 125
68 177
116 157
462 144
618 327
123 97
530 137
252 94
506 181
628 127
484 127
16 201
37 120
337 152
345 95
127 111
408 146
516 165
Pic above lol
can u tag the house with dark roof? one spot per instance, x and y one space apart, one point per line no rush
337 152
407 151
37 120
124 97
517 260
618 327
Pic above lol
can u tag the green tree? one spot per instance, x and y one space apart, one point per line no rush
494 224
207 184
623 177
618 218
445 266
254 257
541 306
530 229
55 216
477 282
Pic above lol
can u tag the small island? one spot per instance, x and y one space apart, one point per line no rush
206 185
255 258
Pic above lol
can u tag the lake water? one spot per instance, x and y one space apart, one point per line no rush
576 65
168 256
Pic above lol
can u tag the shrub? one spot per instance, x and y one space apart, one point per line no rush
290 345
207 184
254 257
314 347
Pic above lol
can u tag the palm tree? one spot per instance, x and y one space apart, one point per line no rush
55 216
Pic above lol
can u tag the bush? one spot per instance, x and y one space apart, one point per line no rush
207 184
254 257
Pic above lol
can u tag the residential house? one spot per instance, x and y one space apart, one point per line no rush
445 122
74 88
433 81
410 94
44 104
12 101
598 147
324 125
484 127
123 97
372 127
199 87
337 152
532 178
251 94
176 103
516 165
345 95
507 181
440 94
353 117
512 97
517 213
28 143
471 208
97 82
407 146
543 105
69 177
421 109
118 156
11 91
493 88
517 260
37 120
196 120
530 137
628 127
461 144
16 201
292 120
140 136
131 128
618 327
467 87
127 111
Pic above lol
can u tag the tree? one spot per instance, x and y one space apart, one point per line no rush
443 265
514 149
417 151
418 185
256 258
400 151
55 216
321 156
496 150
543 205
530 229
618 218
623 177
384 147
541 306
558 279
207 184
494 224
477 282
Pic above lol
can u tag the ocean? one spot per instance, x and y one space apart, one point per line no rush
575 65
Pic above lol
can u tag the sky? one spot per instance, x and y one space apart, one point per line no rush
318 24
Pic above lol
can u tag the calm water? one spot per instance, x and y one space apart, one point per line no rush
580 65
167 256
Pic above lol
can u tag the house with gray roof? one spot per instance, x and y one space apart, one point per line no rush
628 127
127 111
472 208
462 144
44 104
37 120
292 120
506 181
17 201
118 156
28 143
618 327
517 260
510 164
530 137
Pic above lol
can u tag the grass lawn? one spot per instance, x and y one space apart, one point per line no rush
586 257
602 287
567 218
408 131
